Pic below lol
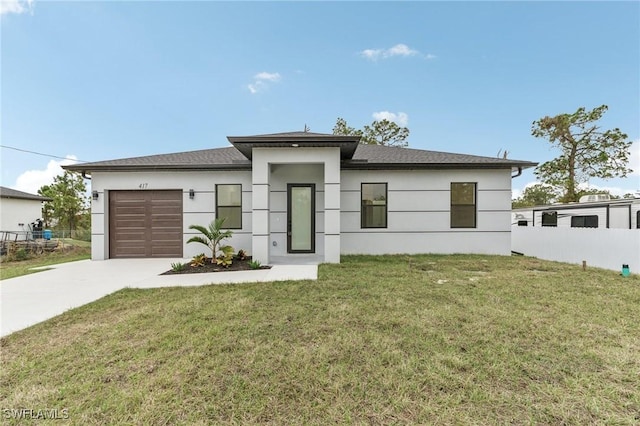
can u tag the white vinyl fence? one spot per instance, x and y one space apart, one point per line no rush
599 247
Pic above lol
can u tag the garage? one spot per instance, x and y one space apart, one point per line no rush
145 224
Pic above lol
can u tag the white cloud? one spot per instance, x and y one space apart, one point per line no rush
401 118
15 6
397 50
261 79
32 180
430 56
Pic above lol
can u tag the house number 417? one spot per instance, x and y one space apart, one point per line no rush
143 185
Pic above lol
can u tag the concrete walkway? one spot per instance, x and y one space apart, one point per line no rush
30 299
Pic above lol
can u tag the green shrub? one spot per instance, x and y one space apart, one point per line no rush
198 260
177 267
255 264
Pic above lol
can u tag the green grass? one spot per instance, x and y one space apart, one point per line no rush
74 250
375 340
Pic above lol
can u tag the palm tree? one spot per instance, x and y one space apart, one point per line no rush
212 237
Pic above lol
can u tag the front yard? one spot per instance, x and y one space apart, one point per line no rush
376 340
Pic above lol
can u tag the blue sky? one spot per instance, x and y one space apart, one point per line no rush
103 80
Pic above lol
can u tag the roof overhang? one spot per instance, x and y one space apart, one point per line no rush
365 165
245 144
244 165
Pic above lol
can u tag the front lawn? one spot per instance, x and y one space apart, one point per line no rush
375 340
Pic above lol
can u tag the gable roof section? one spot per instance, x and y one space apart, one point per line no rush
14 193
354 155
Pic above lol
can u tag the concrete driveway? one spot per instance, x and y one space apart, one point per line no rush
30 299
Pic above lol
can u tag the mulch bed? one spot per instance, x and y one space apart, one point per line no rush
237 265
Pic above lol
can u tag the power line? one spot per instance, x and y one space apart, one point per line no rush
42 154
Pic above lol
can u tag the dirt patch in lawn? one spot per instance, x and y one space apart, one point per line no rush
237 265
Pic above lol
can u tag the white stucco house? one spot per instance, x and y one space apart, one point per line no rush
17 210
303 194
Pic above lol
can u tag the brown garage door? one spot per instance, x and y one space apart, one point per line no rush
145 224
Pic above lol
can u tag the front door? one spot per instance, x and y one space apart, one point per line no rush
301 224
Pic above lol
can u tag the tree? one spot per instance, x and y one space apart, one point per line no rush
536 195
586 150
68 199
212 237
380 132
341 128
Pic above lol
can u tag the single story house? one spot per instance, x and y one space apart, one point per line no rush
303 194
18 210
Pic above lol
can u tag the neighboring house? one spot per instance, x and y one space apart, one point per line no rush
303 194
18 210
597 231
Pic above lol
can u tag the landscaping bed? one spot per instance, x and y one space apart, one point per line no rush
237 265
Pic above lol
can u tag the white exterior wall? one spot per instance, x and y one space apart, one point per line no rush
418 220
199 211
418 206
14 211
281 175
269 177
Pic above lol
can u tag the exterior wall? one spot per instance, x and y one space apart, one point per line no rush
599 247
307 161
620 215
281 175
14 211
418 205
200 210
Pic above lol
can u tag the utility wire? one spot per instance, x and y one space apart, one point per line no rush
40 153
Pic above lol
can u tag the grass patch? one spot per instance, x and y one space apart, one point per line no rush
375 340
71 252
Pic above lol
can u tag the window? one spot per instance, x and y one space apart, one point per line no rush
522 223
549 218
584 221
229 205
373 213
638 219
463 205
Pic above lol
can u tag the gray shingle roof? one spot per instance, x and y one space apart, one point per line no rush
388 155
14 193
221 158
365 157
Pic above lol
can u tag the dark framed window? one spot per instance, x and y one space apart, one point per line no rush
229 205
549 218
590 221
373 210
638 219
463 204
523 223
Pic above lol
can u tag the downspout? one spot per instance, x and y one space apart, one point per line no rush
84 175
517 174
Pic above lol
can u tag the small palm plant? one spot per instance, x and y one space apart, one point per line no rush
212 237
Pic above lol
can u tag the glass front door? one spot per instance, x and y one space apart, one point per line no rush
301 226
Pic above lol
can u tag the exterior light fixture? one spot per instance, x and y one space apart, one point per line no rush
94 195
192 194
